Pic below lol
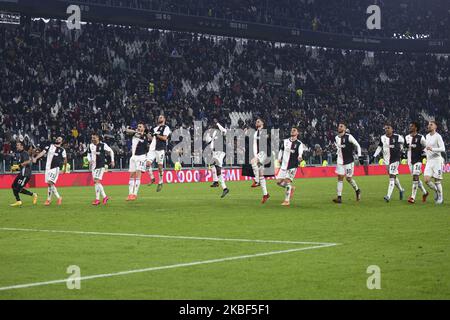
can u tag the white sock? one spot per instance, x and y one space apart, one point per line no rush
422 187
150 171
214 174
340 187
432 185
49 193
131 186
262 181
415 186
353 184
256 172
397 183
160 176
287 193
55 192
97 192
102 190
222 182
137 184
439 190
391 187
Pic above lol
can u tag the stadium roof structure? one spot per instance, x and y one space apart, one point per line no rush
96 11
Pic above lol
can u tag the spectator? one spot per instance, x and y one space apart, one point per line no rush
82 88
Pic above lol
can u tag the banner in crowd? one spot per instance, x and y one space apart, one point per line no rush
189 176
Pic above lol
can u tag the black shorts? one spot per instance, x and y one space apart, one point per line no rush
20 182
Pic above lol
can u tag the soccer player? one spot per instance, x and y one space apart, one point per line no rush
391 145
138 160
160 138
289 156
435 162
216 161
97 159
258 160
56 156
151 155
23 163
209 143
346 144
415 143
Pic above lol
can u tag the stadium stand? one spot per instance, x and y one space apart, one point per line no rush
103 78
407 18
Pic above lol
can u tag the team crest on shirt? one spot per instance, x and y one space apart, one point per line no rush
392 145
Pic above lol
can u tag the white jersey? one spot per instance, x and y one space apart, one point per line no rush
415 144
96 154
257 147
139 144
162 130
55 156
391 147
437 144
345 145
290 154
210 138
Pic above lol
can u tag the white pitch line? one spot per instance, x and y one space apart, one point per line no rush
173 266
164 236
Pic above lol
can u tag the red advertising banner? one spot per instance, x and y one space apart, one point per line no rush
189 176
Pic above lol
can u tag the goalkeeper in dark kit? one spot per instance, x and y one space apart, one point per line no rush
22 163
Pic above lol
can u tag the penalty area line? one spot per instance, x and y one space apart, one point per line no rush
173 266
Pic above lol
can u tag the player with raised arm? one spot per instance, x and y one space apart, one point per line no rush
259 158
96 155
56 157
391 145
435 162
138 160
158 147
216 161
346 144
23 163
415 144
289 156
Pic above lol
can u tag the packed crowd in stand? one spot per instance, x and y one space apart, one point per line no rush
104 78
407 17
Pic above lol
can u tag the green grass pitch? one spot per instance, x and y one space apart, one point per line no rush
409 243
